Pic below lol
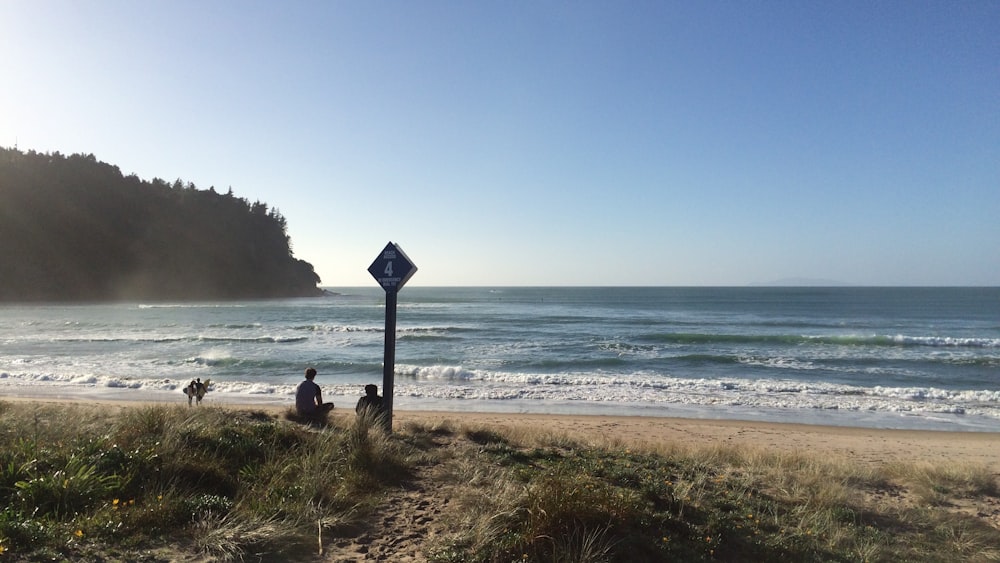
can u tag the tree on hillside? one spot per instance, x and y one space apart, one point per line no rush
74 228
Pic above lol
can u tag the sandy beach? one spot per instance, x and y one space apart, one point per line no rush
866 445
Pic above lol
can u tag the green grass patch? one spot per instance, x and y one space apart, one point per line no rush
76 482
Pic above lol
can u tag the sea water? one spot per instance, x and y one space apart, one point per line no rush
875 357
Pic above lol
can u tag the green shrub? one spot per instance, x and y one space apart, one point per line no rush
66 491
176 475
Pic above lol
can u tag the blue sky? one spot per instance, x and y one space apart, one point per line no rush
548 143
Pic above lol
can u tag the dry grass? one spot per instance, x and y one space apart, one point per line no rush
79 483
529 494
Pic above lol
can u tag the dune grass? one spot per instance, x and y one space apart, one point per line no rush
532 496
76 482
147 483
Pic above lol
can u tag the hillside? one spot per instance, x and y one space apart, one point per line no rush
76 229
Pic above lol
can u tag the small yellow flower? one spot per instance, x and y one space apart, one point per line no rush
78 533
2 548
159 497
115 502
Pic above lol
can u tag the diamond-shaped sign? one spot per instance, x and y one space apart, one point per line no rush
392 268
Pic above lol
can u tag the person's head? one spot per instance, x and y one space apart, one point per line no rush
371 390
310 373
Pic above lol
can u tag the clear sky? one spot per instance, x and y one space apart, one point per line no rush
548 143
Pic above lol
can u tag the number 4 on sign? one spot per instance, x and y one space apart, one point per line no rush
391 269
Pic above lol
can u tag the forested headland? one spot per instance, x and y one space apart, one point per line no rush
76 229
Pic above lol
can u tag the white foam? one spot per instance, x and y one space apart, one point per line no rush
946 341
434 384
445 373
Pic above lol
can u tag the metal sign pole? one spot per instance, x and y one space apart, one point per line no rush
389 359
391 269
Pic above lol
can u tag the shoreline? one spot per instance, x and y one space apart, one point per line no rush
873 446
347 395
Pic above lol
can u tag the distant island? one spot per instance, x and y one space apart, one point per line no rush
802 282
76 229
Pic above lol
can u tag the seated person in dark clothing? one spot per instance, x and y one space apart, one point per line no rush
371 403
309 398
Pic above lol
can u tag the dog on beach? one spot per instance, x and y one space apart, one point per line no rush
196 390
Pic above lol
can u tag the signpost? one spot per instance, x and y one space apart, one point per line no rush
391 269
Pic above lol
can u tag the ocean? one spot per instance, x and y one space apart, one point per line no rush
917 358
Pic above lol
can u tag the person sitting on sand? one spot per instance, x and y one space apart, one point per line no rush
309 398
370 404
